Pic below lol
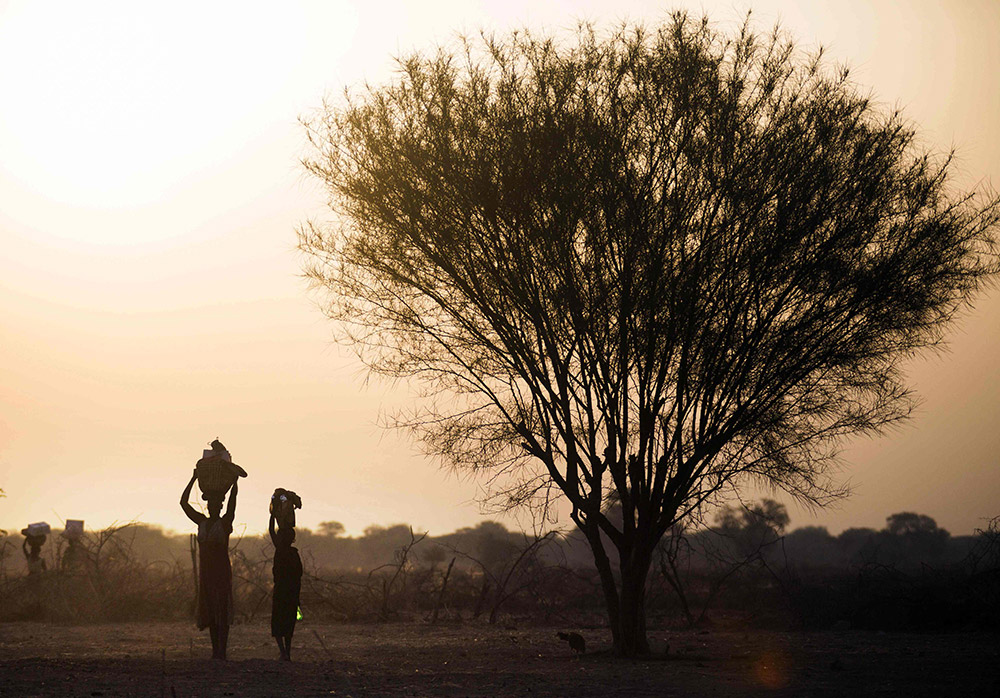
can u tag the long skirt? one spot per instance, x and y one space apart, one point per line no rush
215 586
287 585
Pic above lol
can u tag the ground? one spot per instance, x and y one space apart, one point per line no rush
169 659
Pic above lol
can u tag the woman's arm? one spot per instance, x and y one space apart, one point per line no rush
24 548
195 516
270 529
231 509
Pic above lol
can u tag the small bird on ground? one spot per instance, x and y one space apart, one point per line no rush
575 640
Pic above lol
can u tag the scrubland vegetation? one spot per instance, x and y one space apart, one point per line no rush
743 570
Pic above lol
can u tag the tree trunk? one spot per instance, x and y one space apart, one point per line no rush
632 616
625 597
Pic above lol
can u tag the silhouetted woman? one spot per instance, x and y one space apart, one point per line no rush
36 565
287 585
215 574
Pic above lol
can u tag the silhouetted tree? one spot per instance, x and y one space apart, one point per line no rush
717 556
750 529
914 538
813 546
660 263
907 523
331 528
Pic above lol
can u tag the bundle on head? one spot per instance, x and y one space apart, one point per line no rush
283 505
216 475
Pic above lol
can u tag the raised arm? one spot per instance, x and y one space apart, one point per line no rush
195 516
231 509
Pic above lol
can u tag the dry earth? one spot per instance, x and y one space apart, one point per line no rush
168 659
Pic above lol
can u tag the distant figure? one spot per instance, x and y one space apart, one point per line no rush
287 571
36 565
32 549
77 594
575 640
215 574
74 559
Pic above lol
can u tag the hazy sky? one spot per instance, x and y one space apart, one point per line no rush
150 296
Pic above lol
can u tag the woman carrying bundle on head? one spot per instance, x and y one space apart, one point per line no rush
216 473
287 570
34 539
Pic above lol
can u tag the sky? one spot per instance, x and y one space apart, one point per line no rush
151 296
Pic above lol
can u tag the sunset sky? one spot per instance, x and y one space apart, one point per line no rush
150 289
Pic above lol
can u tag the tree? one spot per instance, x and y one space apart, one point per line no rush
907 523
915 538
661 263
719 555
751 529
333 529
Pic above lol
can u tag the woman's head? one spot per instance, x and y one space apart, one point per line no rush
214 506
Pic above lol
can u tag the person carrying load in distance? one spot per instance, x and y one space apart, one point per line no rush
34 538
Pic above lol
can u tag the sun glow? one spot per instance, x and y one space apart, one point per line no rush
116 105
150 290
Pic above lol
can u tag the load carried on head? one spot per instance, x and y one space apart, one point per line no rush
34 537
73 530
216 471
36 532
283 505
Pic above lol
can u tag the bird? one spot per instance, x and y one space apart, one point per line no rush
217 445
575 640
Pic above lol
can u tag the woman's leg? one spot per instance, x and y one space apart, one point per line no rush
288 646
223 639
215 641
281 646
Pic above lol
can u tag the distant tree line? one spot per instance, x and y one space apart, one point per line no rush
742 569
908 540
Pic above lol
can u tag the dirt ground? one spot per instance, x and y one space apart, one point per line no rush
169 659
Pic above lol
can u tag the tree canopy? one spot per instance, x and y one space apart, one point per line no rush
655 263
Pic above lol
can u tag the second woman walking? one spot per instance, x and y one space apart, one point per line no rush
287 570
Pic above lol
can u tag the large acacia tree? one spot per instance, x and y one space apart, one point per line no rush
647 266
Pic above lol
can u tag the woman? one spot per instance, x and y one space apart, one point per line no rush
287 584
215 575
36 576
36 565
